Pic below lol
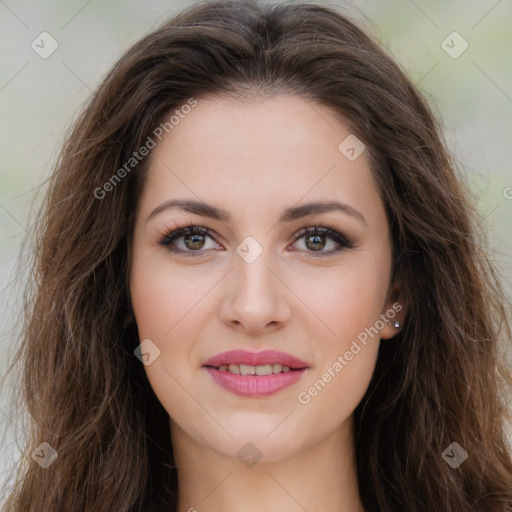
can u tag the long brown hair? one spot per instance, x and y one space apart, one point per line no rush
440 380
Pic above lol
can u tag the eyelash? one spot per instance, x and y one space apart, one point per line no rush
192 229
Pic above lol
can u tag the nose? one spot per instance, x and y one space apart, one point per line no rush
256 298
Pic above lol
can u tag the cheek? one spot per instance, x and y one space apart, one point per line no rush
334 393
348 354
350 307
170 310
346 302
165 314
163 297
153 300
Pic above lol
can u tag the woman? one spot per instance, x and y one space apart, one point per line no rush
259 286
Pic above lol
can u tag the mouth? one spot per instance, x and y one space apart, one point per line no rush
247 369
263 361
255 374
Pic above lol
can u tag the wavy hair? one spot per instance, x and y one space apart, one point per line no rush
442 379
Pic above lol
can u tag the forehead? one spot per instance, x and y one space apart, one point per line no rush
286 127
273 151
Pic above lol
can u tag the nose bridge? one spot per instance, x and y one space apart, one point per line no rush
257 297
252 269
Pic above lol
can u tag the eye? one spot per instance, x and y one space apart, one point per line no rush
191 240
315 240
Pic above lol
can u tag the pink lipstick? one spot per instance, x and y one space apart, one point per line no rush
255 374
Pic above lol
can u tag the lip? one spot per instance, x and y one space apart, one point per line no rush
256 359
254 386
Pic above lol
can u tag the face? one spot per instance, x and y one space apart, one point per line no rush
282 283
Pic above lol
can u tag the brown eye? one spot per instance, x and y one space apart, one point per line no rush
188 240
315 242
317 238
196 241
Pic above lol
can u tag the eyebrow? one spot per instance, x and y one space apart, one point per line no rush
288 215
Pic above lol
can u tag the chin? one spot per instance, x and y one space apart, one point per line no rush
267 441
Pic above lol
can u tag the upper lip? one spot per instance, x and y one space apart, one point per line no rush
261 358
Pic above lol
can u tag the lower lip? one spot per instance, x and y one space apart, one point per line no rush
255 385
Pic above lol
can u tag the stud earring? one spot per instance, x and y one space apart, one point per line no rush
396 325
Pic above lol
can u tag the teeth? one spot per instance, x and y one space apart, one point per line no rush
247 369
234 368
264 370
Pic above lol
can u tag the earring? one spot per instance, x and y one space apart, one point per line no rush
396 325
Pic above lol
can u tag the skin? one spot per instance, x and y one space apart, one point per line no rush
255 159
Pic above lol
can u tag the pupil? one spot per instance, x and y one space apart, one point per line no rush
317 239
194 240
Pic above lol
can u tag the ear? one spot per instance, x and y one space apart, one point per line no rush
394 312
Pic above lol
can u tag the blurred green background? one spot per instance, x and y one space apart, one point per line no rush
40 97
